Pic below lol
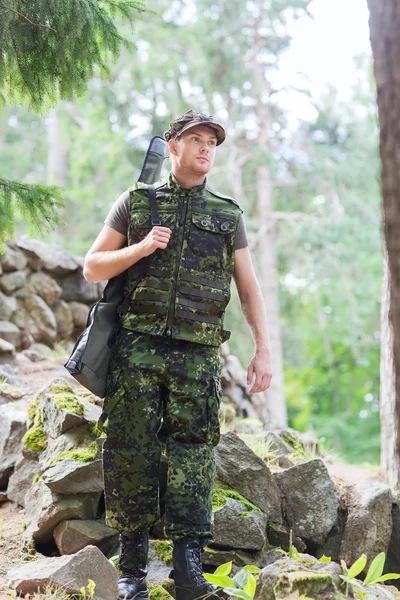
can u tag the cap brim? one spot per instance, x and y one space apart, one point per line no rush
219 130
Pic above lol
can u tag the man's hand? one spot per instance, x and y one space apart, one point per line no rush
260 366
157 238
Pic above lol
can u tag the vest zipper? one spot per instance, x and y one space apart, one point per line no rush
181 237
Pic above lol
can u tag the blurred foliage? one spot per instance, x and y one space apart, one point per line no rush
197 53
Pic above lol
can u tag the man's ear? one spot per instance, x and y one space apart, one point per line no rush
172 147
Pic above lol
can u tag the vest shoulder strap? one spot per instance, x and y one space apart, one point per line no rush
219 195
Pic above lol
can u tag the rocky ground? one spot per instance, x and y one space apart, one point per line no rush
32 376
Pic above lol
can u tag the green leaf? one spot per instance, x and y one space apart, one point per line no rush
293 552
376 568
250 587
325 559
220 580
241 578
357 567
238 593
385 577
251 569
224 569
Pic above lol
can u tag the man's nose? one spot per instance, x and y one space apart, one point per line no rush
204 147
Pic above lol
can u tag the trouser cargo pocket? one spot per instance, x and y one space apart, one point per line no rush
213 404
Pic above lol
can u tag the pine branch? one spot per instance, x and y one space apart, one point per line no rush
26 18
38 204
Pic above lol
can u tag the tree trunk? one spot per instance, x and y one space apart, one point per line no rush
276 403
385 40
390 459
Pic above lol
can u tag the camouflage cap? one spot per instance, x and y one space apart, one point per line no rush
191 118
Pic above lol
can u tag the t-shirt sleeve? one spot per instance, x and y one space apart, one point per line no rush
241 240
118 217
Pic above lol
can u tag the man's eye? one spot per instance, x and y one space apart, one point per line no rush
212 143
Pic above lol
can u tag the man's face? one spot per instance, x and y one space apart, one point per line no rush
194 151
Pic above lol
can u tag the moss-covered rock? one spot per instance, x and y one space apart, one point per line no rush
33 406
35 438
82 455
164 551
220 496
68 403
158 592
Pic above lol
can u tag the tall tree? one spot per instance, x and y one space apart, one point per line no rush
49 51
385 40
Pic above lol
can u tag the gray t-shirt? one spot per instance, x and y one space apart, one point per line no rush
118 219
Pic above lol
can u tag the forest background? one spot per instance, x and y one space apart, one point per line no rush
322 170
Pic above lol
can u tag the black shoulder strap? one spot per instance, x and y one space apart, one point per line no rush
145 262
153 206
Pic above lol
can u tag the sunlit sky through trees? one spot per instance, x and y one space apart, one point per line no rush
323 50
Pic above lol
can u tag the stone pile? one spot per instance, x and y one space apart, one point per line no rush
53 468
44 297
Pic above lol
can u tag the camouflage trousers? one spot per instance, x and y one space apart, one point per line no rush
161 394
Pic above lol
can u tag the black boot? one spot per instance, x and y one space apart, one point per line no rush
133 564
188 573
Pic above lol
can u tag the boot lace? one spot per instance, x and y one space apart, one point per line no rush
197 567
131 557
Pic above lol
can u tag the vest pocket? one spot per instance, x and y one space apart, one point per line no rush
210 243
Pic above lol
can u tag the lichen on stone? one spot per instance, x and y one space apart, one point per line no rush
163 591
35 438
68 403
93 430
33 406
220 496
61 388
81 455
304 582
164 551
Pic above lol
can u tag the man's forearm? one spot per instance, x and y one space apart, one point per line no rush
100 266
253 308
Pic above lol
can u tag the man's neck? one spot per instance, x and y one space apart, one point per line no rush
188 181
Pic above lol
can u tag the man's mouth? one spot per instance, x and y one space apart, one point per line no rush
202 158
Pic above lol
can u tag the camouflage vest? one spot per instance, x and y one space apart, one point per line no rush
187 287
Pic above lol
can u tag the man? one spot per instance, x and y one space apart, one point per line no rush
164 383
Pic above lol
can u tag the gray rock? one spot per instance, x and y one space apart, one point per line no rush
13 428
58 421
77 289
21 480
369 523
43 317
13 259
278 445
10 282
234 526
10 333
53 259
8 305
212 557
158 570
44 286
71 477
72 536
392 563
38 352
245 472
279 535
7 351
291 578
79 313
71 572
310 501
63 315
45 510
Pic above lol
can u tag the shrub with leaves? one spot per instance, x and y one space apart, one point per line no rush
242 585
